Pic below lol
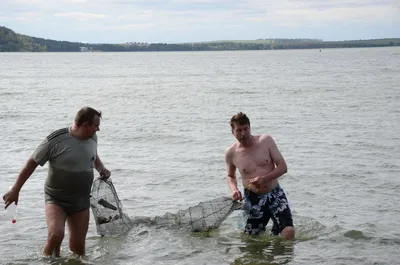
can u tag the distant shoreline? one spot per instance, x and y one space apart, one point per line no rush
166 51
14 42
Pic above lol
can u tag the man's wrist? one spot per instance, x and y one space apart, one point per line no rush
16 188
235 189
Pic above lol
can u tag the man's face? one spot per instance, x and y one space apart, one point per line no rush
241 132
91 129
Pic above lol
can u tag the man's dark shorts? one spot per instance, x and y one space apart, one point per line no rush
271 205
69 207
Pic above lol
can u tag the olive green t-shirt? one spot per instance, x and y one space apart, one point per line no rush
71 164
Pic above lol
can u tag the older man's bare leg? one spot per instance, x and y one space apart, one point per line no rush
78 224
55 218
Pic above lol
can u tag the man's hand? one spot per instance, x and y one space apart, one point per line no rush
237 195
10 197
105 173
257 181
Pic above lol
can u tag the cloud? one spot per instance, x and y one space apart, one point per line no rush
80 16
29 1
309 11
251 10
318 15
130 27
189 17
140 15
258 11
74 1
23 17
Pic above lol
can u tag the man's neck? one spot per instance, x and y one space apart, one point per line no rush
248 143
76 132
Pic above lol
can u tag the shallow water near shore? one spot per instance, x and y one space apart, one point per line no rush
334 115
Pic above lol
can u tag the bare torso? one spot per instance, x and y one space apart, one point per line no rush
254 161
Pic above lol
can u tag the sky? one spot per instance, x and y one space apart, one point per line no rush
178 21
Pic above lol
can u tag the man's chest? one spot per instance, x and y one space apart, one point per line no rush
77 155
249 160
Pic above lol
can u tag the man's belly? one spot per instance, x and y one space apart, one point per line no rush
264 188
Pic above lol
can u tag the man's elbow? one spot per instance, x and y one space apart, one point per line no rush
284 168
230 177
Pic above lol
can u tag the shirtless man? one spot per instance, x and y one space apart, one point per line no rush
72 156
260 165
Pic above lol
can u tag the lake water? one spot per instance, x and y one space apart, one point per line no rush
334 115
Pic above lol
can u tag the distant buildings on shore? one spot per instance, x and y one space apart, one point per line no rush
86 49
139 44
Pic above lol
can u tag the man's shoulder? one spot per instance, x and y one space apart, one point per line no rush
264 137
231 149
58 134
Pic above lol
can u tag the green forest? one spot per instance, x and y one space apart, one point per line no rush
14 42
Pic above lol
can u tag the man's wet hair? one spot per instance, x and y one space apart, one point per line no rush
86 114
240 118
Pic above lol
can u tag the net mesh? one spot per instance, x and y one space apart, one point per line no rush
110 219
107 209
203 217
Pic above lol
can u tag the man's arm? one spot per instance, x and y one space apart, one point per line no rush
98 165
13 195
277 159
25 173
104 172
231 176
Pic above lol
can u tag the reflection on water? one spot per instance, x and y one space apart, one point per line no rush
70 259
265 250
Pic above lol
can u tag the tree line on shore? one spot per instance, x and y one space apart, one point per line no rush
14 42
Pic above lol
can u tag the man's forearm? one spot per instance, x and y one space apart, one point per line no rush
276 173
98 164
232 183
25 173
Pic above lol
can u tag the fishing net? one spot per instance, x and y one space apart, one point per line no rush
107 209
110 220
203 217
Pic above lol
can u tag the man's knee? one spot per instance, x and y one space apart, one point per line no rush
288 232
77 239
77 245
55 236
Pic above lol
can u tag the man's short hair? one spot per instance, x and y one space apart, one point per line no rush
240 118
86 114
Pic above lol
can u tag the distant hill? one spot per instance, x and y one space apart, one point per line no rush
14 42
11 41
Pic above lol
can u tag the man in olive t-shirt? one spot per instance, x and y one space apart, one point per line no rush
72 156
